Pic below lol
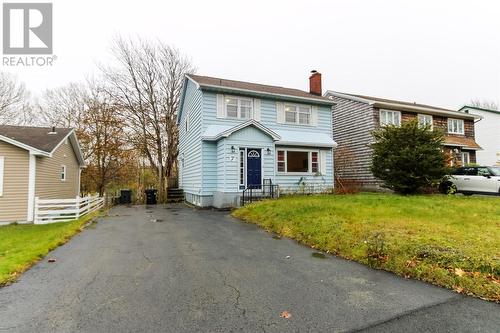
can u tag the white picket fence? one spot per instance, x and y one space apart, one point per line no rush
63 210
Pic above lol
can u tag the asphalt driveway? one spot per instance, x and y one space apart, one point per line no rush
176 269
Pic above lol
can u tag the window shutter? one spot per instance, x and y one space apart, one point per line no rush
256 109
2 161
322 161
314 115
220 106
280 112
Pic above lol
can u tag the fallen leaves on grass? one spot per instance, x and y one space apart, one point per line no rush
460 272
286 315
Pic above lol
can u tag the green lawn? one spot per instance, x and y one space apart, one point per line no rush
451 241
21 246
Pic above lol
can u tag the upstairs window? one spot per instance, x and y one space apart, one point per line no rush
240 108
425 120
63 173
297 114
455 126
388 117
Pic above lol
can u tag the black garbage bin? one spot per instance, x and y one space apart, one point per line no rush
125 197
151 196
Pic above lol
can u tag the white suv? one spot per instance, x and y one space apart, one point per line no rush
473 179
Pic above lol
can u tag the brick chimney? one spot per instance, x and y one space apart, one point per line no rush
315 83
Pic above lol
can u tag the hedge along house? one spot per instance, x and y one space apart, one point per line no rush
36 162
234 135
355 117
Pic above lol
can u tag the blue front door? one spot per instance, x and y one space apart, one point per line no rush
254 167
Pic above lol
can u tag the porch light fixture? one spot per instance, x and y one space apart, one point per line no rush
268 151
233 150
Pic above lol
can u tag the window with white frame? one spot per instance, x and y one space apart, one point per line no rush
297 161
237 107
465 158
2 167
63 173
388 117
425 120
298 114
455 126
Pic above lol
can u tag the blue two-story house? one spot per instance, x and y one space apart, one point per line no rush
234 135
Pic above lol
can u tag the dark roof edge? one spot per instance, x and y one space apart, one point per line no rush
312 99
478 108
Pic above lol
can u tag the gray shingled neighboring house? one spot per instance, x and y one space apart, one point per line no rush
355 117
36 162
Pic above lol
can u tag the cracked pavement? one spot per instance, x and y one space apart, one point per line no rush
203 271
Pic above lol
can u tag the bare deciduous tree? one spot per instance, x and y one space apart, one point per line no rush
490 105
63 106
146 84
14 103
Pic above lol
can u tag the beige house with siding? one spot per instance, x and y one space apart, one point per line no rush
36 162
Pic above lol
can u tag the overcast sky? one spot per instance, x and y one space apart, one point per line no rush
436 52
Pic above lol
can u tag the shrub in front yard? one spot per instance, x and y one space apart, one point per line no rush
408 157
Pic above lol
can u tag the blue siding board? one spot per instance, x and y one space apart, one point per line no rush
210 167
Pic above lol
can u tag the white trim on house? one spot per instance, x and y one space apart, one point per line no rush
64 173
394 121
245 149
403 107
250 122
425 117
71 136
465 157
267 94
24 146
75 144
297 112
239 99
31 187
460 129
2 168
309 171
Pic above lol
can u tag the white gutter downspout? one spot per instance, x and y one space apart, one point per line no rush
31 187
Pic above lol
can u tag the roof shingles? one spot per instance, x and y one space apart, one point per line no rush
36 137
206 81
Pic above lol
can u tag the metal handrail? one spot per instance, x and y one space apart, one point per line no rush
257 192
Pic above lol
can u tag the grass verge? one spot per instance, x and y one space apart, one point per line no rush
22 245
450 241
